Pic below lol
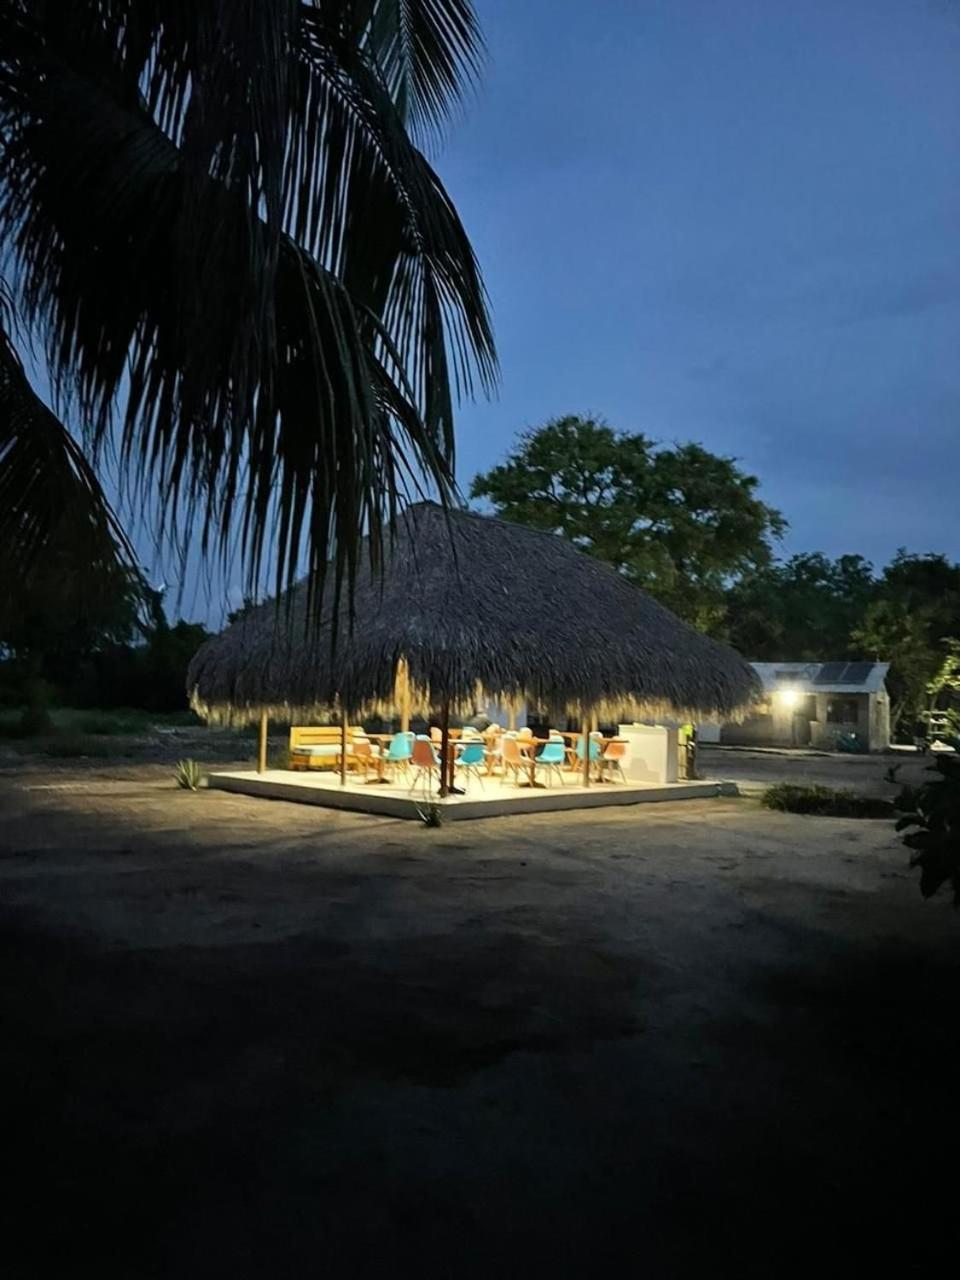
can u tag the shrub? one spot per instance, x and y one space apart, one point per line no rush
824 802
188 775
105 724
34 722
933 809
71 746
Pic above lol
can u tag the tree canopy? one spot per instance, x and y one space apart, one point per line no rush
804 608
811 607
679 521
911 622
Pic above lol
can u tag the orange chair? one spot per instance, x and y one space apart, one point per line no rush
493 741
426 762
613 754
514 760
364 758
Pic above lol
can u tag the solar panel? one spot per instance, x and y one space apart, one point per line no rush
831 673
844 673
857 672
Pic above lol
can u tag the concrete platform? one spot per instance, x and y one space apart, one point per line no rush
494 799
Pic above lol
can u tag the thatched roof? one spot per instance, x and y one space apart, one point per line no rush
478 608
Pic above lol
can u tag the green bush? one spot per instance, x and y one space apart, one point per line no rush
933 809
105 723
824 802
34 722
71 746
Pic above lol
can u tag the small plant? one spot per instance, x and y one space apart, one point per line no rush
188 775
824 802
431 815
933 809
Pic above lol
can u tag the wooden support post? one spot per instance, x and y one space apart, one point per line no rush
403 694
444 748
511 715
262 744
586 721
343 748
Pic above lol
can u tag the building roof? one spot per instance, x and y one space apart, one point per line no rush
477 608
823 677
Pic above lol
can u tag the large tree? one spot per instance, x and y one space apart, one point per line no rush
911 624
680 521
240 268
802 608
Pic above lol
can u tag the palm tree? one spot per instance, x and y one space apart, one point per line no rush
218 224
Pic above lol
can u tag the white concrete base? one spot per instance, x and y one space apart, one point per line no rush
494 799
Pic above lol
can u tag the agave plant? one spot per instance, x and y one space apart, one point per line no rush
245 276
431 815
188 775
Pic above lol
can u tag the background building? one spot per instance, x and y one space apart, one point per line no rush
827 705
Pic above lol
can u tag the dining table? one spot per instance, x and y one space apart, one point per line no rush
530 748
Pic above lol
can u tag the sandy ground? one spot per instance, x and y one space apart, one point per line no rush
245 1038
753 771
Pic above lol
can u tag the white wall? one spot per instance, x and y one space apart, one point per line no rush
653 752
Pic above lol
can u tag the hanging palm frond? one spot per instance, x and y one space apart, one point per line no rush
218 221
50 499
426 50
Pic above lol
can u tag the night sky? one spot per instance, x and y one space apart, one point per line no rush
736 222
730 221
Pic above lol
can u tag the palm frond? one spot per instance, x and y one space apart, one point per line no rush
427 51
218 220
50 498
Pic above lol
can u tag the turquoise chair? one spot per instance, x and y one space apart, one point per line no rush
400 752
471 759
594 751
553 756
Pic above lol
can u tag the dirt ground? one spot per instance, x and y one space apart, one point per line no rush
246 1038
753 771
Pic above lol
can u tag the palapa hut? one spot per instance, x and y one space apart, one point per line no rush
467 608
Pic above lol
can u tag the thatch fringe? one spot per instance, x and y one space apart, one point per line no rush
479 609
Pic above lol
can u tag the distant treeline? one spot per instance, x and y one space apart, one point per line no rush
684 524
689 527
811 607
107 647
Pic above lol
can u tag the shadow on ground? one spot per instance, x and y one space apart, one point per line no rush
500 1107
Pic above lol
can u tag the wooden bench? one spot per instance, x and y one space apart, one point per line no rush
314 747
